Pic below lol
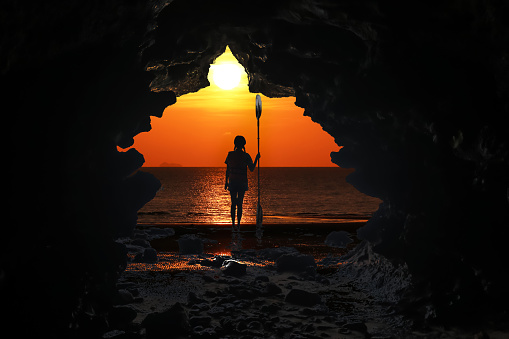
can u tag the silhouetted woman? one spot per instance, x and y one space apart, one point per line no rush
237 162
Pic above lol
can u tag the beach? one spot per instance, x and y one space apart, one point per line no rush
261 296
254 304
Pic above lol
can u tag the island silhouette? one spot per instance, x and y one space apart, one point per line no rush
170 164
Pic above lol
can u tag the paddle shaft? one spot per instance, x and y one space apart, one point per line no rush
258 128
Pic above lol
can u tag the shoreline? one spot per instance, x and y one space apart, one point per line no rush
350 226
308 238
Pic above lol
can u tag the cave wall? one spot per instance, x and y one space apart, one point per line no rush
416 92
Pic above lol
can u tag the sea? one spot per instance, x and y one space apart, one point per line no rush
297 195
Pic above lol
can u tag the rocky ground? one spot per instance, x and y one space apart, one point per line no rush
254 293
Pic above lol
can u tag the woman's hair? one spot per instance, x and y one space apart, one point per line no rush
239 142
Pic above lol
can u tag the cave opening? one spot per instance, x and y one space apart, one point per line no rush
188 129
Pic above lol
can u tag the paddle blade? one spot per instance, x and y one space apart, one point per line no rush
258 106
259 216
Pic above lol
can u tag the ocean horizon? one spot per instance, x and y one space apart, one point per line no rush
297 195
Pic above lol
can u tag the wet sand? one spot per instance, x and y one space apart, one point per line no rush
306 238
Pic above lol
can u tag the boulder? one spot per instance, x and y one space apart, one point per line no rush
339 239
190 244
233 268
275 253
140 242
200 321
295 262
159 233
271 289
149 255
168 324
303 298
121 316
244 291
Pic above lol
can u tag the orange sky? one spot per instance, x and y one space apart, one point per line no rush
198 130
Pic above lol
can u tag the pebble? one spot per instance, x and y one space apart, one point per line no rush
193 299
262 278
303 298
357 326
272 289
149 255
234 268
216 310
200 321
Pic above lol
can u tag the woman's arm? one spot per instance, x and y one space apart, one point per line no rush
252 165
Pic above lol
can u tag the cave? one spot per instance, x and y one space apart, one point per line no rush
417 93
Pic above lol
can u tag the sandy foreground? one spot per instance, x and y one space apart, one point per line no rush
260 295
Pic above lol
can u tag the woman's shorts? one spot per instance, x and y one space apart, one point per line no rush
237 186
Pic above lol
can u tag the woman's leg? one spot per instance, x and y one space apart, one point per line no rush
233 195
240 201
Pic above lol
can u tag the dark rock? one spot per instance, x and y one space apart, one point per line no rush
190 244
233 281
254 325
216 310
227 323
123 297
193 299
270 309
241 326
159 233
206 262
318 309
233 268
207 333
168 324
217 261
275 253
120 317
244 291
323 280
262 278
149 255
357 326
202 306
200 321
303 298
134 291
309 328
295 262
208 278
209 294
339 239
140 242
244 253
229 307
271 289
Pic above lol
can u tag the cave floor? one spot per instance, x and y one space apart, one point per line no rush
223 306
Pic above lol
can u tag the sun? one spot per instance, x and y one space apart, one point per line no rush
226 76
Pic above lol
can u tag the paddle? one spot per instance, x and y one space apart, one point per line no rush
259 212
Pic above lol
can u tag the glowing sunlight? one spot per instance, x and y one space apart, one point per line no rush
198 130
